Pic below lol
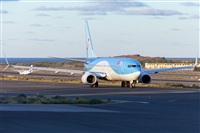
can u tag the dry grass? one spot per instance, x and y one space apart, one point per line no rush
40 99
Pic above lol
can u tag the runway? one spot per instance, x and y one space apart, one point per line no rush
140 110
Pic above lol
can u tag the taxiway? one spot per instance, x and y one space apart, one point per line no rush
141 110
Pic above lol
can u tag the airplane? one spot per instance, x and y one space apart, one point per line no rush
21 72
127 70
25 72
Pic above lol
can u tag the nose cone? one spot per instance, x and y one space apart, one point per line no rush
136 75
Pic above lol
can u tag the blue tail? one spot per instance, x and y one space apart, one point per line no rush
89 47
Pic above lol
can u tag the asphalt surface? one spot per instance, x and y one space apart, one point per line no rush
140 110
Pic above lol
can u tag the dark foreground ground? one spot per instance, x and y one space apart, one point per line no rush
143 110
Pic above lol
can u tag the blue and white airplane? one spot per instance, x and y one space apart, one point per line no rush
126 70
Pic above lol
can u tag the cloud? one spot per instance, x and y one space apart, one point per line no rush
193 16
105 7
100 6
67 27
29 32
175 29
93 13
13 39
44 8
158 17
8 22
190 4
97 8
152 12
39 25
59 17
89 18
8 0
36 25
42 15
3 12
42 40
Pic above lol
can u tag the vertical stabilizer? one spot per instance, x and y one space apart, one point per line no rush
31 70
89 47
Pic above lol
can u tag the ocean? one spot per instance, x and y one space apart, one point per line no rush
31 60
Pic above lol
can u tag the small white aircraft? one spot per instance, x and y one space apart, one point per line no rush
126 70
21 72
25 72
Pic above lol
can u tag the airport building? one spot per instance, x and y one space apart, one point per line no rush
167 65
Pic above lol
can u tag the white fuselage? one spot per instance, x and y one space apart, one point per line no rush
24 72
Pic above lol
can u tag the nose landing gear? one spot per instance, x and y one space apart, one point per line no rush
130 84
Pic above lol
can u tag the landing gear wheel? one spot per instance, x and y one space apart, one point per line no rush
128 84
132 86
96 84
91 86
123 84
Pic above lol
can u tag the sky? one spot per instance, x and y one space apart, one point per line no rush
42 28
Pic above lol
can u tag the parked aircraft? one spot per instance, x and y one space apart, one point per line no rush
25 72
21 72
128 71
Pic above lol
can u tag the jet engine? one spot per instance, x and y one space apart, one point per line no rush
144 78
89 78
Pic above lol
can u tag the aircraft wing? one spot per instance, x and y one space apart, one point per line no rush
69 59
166 69
51 69
56 70
170 69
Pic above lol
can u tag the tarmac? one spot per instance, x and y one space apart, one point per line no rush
140 110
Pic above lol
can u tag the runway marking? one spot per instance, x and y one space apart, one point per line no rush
50 108
143 102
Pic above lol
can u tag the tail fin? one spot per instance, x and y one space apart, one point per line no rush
196 61
31 70
89 47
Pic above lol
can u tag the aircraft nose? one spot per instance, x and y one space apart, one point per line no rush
137 74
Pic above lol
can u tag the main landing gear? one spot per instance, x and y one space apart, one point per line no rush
95 85
130 84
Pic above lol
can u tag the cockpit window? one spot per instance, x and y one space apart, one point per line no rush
133 66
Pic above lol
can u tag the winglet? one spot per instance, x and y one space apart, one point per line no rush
196 61
6 62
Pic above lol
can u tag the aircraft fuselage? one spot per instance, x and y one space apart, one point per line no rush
125 69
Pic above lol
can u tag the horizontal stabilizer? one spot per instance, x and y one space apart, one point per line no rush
69 59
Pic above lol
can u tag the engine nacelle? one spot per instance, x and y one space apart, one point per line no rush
144 78
89 78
